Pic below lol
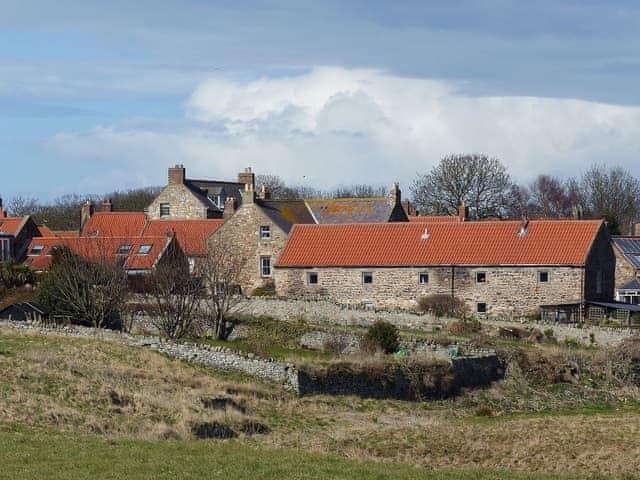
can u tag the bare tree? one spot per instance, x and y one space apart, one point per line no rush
220 272
361 190
613 194
20 206
171 296
481 182
86 291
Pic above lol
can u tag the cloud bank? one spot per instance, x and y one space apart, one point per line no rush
333 126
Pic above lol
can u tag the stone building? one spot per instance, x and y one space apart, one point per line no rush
185 198
627 252
498 268
259 229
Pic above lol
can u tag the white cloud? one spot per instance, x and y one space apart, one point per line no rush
334 125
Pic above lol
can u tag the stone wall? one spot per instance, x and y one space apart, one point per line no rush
508 291
183 204
242 231
624 270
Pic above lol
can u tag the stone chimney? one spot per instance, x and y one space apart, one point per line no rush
248 178
395 196
265 194
86 212
636 230
229 207
107 205
248 194
176 175
463 212
578 213
3 214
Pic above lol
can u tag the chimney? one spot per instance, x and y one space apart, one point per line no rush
524 225
463 212
265 194
176 175
229 207
578 213
248 194
3 214
86 212
248 178
636 230
395 196
107 205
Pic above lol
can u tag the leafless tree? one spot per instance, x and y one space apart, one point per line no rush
220 272
612 193
361 190
171 295
481 182
86 291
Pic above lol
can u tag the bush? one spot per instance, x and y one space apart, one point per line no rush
15 275
384 334
462 327
441 305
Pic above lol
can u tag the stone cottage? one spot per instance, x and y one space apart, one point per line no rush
498 268
186 198
627 252
259 229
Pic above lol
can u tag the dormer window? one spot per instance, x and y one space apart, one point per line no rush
36 250
265 232
165 209
145 249
124 249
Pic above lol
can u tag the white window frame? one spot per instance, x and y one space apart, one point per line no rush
367 274
124 249
39 249
147 249
265 267
265 232
421 275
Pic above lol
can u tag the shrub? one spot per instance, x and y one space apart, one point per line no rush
384 334
462 327
440 305
15 275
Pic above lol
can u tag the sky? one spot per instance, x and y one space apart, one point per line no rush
99 96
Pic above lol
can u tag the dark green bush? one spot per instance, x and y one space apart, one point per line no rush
384 334
15 275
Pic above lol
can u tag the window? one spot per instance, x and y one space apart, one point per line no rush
423 278
5 249
165 209
367 277
124 249
265 232
265 266
543 277
481 307
36 250
312 278
145 249
481 277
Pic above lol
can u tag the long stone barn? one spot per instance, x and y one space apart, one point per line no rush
498 268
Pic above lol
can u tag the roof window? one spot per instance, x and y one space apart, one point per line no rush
36 250
124 249
145 249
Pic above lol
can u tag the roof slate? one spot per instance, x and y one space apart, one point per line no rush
286 213
553 242
350 210
630 248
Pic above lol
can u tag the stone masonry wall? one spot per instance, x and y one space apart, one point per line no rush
508 291
624 270
242 231
183 204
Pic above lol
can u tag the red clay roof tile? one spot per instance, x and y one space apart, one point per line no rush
553 242
114 224
191 234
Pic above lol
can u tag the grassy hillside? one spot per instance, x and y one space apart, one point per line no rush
71 406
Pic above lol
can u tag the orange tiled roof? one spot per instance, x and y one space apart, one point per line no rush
114 224
10 225
98 249
64 234
45 231
434 218
551 242
190 234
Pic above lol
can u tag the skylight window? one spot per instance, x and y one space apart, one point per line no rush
145 249
36 250
124 249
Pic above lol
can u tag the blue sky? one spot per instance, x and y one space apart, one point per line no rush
97 96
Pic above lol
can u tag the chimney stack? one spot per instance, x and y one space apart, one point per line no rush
3 214
86 212
248 178
229 207
578 213
463 212
176 175
265 194
107 205
395 196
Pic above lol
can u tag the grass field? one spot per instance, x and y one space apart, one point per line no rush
70 408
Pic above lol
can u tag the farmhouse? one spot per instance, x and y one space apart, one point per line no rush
498 268
15 234
627 252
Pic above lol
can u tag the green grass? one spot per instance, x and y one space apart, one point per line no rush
32 453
